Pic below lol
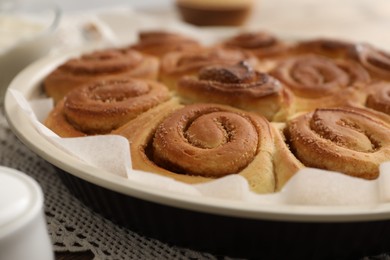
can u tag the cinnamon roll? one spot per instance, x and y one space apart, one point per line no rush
348 140
318 81
174 65
158 43
238 85
376 61
104 105
260 43
104 63
332 48
202 142
379 97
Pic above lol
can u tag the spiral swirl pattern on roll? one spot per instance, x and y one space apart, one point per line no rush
376 61
261 44
332 48
104 105
105 61
348 140
316 76
209 140
237 85
99 64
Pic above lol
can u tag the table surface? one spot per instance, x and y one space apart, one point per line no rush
357 20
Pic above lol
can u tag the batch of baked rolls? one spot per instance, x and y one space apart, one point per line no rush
252 104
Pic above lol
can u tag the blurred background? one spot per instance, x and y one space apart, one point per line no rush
367 20
117 22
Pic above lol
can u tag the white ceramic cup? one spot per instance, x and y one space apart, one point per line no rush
23 230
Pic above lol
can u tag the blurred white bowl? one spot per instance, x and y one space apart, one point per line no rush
23 231
26 33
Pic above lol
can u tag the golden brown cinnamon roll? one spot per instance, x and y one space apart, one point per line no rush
104 105
174 65
240 86
318 81
202 142
379 97
104 63
376 61
332 48
158 43
348 140
260 43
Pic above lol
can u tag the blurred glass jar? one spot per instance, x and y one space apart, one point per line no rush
215 12
26 33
